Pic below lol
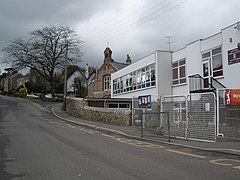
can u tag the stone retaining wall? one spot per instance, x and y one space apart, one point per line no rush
78 108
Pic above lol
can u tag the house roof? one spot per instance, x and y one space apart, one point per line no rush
15 75
93 73
77 70
118 65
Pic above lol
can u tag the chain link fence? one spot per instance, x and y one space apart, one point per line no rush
187 117
202 117
229 118
176 106
148 119
191 117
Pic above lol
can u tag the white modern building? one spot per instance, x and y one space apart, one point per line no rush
215 60
148 76
196 85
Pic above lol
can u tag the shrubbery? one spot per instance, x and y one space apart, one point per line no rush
23 90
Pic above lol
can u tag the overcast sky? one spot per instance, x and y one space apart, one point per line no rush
134 27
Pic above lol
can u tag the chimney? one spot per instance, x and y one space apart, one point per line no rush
108 55
128 61
87 72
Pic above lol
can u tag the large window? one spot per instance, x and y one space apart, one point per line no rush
178 72
214 60
107 82
140 79
118 105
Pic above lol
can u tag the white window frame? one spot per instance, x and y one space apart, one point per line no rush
210 59
136 80
178 68
107 83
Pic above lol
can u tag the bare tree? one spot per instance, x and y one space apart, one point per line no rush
45 51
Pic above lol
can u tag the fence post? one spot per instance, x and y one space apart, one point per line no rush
133 111
142 127
168 126
186 106
217 112
161 110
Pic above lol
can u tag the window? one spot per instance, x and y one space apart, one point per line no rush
107 82
217 62
118 105
141 78
179 72
214 57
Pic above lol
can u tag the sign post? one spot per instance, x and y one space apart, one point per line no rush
144 102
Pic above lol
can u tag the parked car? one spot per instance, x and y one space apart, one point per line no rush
48 96
32 96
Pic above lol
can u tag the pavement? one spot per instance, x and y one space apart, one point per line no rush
227 146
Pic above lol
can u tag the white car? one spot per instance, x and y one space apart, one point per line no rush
48 96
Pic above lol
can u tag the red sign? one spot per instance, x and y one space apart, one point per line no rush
232 97
144 101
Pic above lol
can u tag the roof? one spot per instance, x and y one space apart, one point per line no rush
77 70
118 65
15 75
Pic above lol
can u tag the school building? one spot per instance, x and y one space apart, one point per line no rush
204 73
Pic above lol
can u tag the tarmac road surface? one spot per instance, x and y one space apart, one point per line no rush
34 144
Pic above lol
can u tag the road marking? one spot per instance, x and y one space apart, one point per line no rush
133 142
226 162
237 167
51 122
90 132
216 161
106 135
187 154
39 106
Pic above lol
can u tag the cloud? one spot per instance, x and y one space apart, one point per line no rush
136 27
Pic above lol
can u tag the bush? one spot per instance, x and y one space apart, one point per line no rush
23 90
11 92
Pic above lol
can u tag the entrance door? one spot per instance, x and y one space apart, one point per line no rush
206 73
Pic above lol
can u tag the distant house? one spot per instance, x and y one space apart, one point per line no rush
33 81
22 80
10 81
77 78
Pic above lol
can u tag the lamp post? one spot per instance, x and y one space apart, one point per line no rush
65 81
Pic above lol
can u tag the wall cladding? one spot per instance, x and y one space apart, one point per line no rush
78 108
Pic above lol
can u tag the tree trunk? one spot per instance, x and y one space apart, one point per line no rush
52 83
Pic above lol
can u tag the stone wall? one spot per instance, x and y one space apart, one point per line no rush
78 108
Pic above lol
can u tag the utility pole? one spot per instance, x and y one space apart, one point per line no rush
65 81
169 42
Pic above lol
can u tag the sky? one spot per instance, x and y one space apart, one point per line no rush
134 27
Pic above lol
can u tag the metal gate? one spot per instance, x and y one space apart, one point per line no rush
148 118
192 116
177 108
229 117
202 117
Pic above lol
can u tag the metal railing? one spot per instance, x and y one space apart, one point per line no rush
216 84
198 84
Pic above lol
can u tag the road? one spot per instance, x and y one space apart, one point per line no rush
34 144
